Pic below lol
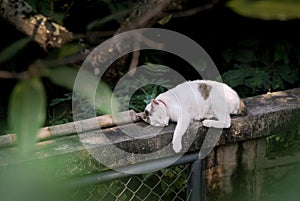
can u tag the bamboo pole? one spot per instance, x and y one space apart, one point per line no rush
76 127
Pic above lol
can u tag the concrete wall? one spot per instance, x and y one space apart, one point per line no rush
237 167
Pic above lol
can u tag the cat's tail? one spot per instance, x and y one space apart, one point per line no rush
242 111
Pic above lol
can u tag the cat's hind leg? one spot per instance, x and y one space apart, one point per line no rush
223 122
220 111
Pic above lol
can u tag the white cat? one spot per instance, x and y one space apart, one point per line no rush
199 99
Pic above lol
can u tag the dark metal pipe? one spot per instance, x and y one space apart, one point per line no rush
195 180
148 166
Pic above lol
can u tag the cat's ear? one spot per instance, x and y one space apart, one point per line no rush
155 102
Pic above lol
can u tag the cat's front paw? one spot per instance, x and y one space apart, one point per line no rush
207 123
177 146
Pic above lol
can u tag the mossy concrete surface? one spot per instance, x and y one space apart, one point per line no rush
81 154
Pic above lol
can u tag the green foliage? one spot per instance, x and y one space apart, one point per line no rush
143 95
63 76
267 9
282 183
254 78
101 98
27 112
60 110
57 10
261 69
175 179
284 143
26 115
11 50
65 51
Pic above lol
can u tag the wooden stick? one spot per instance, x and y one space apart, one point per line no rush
77 127
7 140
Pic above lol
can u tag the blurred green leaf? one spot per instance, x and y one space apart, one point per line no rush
11 50
27 111
64 51
267 9
165 19
65 76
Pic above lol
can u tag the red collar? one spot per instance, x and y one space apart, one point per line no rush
162 102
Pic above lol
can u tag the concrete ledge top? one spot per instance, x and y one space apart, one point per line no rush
267 114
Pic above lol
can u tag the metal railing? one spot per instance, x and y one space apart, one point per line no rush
184 180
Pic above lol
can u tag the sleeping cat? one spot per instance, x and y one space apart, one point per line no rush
198 100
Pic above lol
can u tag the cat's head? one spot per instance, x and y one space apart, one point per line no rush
156 114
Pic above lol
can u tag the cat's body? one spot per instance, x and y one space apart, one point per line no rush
199 99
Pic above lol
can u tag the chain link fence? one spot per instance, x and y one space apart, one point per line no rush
169 184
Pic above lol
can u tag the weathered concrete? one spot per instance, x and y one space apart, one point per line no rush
266 114
242 171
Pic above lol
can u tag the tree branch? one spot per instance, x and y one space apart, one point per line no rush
10 75
193 11
49 34
45 32
145 14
